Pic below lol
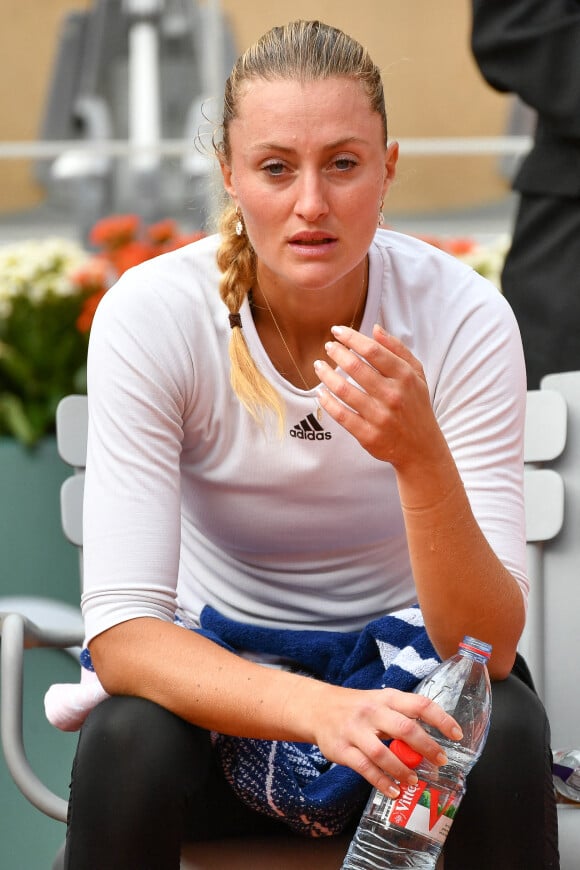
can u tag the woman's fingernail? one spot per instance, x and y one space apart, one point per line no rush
317 364
337 330
441 759
393 791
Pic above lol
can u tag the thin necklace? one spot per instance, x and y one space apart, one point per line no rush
284 342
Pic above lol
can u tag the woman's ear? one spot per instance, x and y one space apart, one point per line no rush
227 176
391 157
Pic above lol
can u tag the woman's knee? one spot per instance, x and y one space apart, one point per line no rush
132 739
519 724
136 766
507 816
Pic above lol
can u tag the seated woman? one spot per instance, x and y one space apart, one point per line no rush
299 427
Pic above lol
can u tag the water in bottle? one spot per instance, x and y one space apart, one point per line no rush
409 831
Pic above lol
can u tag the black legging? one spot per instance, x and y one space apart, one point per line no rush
507 819
144 781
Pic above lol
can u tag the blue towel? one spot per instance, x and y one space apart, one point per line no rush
293 782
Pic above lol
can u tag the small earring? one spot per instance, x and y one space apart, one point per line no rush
239 224
381 215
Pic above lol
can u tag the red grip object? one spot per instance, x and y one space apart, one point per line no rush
405 753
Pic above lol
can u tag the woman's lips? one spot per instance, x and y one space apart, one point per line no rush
313 249
312 240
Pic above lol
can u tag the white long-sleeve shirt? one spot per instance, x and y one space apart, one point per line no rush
189 502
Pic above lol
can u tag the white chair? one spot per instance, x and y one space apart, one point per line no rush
549 641
49 614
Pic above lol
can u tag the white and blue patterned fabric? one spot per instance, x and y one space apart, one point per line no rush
292 781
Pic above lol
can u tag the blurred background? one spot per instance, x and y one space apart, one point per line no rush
83 71
107 107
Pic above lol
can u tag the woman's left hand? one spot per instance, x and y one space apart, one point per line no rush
388 407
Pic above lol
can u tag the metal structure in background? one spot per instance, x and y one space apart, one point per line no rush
143 71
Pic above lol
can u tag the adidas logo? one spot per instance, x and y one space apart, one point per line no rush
310 429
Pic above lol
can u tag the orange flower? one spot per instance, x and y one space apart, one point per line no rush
460 246
180 240
455 246
114 231
124 243
188 239
131 254
162 232
85 318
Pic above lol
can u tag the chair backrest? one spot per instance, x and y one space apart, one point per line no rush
561 579
72 423
545 438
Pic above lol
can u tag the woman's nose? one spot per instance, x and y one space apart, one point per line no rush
311 201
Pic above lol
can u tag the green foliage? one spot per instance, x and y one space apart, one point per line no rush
42 352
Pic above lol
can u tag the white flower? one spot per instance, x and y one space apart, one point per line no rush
37 269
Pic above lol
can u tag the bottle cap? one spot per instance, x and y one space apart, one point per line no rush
405 753
479 647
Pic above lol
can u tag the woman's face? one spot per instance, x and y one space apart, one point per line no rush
308 170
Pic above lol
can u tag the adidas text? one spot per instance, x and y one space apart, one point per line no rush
309 429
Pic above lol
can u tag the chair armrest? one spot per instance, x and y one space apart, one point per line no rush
19 634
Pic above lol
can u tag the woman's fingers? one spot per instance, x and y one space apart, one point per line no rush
384 401
402 718
364 721
387 781
424 709
377 365
383 352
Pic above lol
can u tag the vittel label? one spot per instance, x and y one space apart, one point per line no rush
426 810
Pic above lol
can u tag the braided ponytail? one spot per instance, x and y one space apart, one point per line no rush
237 262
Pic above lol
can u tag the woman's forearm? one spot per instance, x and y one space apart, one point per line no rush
462 586
198 680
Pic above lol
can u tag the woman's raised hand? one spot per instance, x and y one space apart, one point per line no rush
387 408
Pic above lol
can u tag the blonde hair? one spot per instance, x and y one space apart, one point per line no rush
302 51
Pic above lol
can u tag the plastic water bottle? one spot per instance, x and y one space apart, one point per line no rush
409 831
566 772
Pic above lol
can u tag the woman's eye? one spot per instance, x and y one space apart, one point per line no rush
343 163
274 168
